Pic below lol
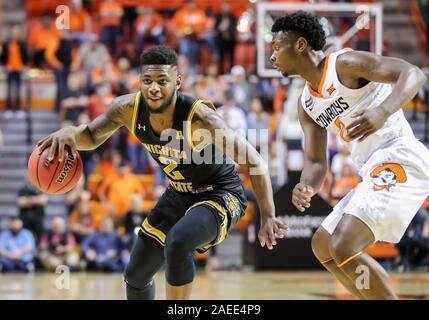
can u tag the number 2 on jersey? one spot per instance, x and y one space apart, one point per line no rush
169 169
343 130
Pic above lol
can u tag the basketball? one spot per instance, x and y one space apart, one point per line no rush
54 177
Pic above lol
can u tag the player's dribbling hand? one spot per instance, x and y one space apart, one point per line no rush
58 140
301 196
366 123
270 230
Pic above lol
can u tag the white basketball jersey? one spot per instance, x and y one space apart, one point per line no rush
334 104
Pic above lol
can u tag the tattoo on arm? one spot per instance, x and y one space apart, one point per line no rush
116 116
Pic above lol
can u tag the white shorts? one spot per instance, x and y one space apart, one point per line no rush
395 183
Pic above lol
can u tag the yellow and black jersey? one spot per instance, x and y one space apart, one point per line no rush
189 170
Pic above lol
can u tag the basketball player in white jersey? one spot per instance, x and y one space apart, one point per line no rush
358 96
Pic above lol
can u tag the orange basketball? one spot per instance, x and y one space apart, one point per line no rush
54 177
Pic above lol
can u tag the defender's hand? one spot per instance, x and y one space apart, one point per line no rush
270 230
58 140
301 196
367 122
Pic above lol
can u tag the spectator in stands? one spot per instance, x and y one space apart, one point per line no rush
345 181
241 89
39 38
116 190
74 100
57 247
128 21
91 55
88 157
110 13
128 77
132 55
257 122
208 35
14 57
109 164
150 27
137 154
414 245
17 247
86 217
190 21
104 250
80 21
340 159
100 101
73 196
58 54
133 219
31 203
234 117
213 87
226 25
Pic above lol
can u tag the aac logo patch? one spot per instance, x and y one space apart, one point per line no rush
232 204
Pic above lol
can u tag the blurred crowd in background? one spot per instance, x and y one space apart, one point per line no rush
96 60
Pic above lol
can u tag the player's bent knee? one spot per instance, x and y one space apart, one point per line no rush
320 244
137 277
177 244
339 248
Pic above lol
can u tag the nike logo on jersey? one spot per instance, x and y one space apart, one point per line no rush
331 112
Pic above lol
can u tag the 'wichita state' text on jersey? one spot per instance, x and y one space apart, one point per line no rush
187 169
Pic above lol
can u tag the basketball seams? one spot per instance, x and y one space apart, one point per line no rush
53 175
37 171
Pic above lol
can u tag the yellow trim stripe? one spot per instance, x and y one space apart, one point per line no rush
136 106
326 261
342 264
223 214
189 119
152 236
154 232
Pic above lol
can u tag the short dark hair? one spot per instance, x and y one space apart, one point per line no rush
303 24
158 55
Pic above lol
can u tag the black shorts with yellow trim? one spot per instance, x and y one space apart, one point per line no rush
227 205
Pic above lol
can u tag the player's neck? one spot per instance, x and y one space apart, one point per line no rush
312 68
163 120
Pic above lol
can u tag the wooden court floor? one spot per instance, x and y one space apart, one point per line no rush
238 285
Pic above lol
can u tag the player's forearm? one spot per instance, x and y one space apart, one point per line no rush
313 173
264 194
261 182
84 138
408 85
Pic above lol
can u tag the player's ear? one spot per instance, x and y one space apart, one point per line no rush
178 81
301 44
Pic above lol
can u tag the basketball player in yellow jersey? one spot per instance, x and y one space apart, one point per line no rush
350 93
205 197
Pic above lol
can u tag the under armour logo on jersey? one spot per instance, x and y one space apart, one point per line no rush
140 127
309 103
331 90
179 135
